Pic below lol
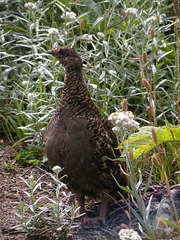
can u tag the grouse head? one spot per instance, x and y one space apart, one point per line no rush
69 58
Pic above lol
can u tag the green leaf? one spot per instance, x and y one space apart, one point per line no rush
14 27
97 22
115 24
142 141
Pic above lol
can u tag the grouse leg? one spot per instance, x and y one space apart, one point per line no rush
82 211
80 198
103 209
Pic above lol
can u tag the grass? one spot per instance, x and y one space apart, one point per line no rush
130 50
25 67
43 212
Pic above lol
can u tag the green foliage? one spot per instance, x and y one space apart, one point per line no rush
40 210
31 82
142 142
32 224
30 155
9 167
138 201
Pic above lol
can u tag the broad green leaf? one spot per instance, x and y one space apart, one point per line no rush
142 141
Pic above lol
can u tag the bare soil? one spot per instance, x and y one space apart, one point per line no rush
11 189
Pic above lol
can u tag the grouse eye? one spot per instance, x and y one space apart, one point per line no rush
62 52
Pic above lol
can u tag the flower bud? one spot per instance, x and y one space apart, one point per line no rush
152 34
77 3
123 12
81 24
162 223
131 156
124 105
144 57
154 135
56 169
155 161
146 84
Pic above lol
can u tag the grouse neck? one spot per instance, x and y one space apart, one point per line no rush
75 95
74 86
74 81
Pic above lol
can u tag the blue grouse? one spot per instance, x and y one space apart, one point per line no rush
80 140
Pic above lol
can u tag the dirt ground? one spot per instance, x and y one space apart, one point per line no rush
10 192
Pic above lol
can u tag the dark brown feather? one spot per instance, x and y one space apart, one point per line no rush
79 138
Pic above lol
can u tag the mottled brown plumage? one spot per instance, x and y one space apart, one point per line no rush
79 138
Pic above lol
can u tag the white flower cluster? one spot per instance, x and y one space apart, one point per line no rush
53 32
155 19
25 83
112 72
100 35
31 6
132 11
32 96
69 15
56 169
87 37
123 120
151 19
129 234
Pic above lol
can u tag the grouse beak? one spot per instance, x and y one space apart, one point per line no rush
50 52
